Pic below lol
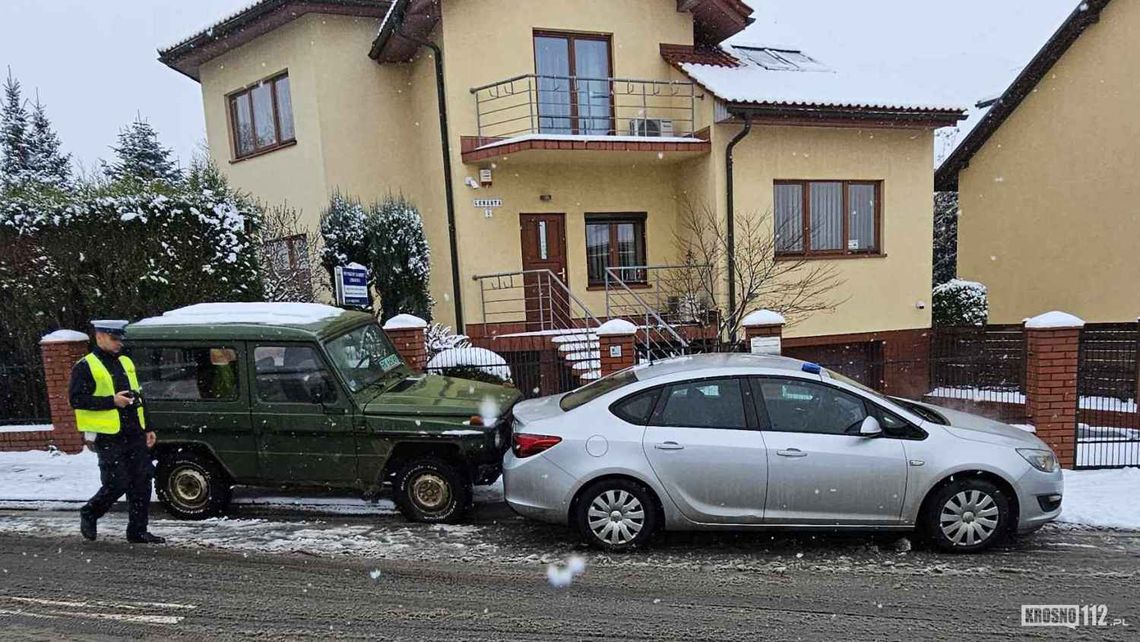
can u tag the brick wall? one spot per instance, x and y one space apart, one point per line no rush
58 358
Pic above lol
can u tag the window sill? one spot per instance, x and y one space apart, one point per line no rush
632 286
828 257
263 152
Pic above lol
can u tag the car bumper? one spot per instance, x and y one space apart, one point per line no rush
537 489
1038 499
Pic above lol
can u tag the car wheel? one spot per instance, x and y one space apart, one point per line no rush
432 490
967 516
616 515
192 486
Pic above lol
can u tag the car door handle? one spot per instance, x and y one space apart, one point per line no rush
669 445
791 452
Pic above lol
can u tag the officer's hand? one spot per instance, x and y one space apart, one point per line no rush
122 400
150 439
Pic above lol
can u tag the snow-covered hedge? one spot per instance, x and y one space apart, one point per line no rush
471 363
959 302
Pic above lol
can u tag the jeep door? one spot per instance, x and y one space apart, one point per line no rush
302 417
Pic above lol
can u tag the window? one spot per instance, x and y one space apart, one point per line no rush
803 406
615 241
291 374
261 117
187 374
592 391
287 267
574 94
637 408
827 217
708 403
363 356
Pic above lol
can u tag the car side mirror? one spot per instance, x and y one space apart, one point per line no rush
870 427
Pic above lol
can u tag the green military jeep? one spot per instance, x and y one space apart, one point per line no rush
308 396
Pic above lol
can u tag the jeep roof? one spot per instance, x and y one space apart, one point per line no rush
249 322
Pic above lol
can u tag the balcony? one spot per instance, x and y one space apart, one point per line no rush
549 114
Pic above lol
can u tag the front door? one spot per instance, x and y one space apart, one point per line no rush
706 453
301 440
544 259
820 471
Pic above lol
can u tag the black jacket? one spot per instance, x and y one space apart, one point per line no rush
81 391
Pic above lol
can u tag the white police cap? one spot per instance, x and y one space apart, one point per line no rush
113 327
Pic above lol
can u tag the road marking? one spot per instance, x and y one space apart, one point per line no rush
134 606
137 618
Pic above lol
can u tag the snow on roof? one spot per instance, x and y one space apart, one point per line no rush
1054 319
405 321
64 336
763 317
250 313
788 76
207 30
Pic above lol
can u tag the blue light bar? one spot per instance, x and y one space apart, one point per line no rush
813 368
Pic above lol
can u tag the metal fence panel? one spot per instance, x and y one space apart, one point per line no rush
1108 422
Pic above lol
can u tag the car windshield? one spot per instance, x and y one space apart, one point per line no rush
590 392
363 356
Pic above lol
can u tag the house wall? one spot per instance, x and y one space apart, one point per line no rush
1049 216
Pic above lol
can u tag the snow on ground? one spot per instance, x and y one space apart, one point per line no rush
1102 498
1017 397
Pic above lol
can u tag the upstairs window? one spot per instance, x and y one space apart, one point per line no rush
261 117
828 217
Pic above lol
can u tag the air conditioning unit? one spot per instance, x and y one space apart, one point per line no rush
650 127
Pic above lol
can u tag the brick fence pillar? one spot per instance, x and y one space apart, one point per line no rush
616 346
408 334
1052 342
764 325
60 351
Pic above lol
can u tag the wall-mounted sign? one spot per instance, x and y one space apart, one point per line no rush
615 352
352 286
488 205
765 345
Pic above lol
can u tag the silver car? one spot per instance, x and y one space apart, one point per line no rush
736 441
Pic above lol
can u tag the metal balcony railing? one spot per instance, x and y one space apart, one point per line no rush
580 106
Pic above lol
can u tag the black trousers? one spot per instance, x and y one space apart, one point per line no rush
125 467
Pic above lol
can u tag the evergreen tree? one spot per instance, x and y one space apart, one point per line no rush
13 135
401 259
344 233
140 157
945 236
48 166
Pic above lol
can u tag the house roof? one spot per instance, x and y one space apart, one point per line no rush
412 21
784 81
990 116
251 21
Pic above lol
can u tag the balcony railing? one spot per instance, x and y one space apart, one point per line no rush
579 106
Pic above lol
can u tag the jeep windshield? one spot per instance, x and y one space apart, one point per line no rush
364 356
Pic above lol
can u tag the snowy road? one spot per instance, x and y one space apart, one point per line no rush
280 576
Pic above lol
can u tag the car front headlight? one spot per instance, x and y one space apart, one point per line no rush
1043 460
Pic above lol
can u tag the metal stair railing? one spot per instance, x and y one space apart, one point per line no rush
656 338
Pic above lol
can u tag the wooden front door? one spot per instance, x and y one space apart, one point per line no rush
544 252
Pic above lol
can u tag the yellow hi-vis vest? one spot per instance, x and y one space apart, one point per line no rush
106 421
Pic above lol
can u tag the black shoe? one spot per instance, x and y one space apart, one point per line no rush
87 526
146 538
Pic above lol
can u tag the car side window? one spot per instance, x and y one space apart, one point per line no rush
291 374
187 373
704 403
804 406
637 408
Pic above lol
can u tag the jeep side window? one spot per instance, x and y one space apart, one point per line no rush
292 374
187 374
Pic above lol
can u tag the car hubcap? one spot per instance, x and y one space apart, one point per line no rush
431 492
969 518
189 487
616 517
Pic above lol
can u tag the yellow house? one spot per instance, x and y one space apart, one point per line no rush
558 150
1047 178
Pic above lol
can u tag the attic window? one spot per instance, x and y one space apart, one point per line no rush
781 59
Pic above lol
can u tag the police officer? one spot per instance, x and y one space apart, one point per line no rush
107 400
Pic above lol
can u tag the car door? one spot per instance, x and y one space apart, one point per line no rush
820 471
301 441
704 448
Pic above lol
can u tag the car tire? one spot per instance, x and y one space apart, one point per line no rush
616 515
192 486
433 491
967 516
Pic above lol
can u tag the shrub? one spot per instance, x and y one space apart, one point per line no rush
959 302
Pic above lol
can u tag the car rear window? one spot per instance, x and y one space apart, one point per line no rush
588 393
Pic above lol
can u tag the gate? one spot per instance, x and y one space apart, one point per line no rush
1108 421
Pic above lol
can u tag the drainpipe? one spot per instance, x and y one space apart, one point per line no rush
448 186
730 237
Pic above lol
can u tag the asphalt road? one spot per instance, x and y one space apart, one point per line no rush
488 582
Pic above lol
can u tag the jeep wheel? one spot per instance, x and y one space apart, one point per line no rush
432 490
192 486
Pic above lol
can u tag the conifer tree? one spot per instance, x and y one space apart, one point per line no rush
13 135
47 166
140 156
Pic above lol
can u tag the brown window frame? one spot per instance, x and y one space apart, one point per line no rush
612 220
570 37
805 193
246 93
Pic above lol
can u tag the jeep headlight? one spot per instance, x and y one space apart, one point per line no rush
1043 460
